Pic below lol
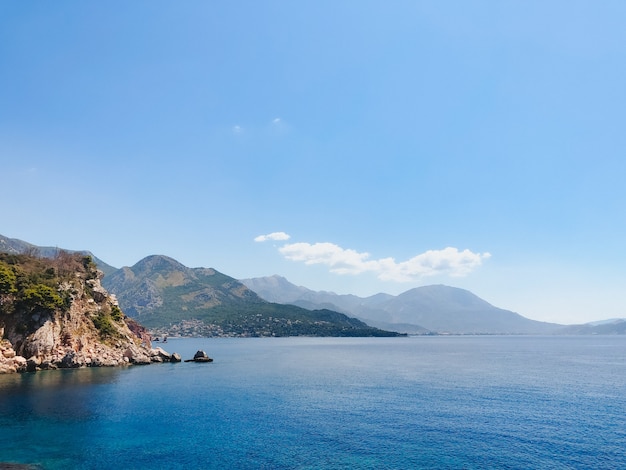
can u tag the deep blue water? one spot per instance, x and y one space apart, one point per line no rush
317 403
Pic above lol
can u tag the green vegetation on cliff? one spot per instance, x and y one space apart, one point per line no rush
31 285
28 283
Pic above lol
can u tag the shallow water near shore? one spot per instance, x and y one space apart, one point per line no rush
316 403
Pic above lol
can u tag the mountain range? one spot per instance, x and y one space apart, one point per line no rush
169 297
430 309
436 308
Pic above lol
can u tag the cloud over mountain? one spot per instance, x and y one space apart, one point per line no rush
448 261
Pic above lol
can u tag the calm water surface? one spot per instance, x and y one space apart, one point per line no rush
317 403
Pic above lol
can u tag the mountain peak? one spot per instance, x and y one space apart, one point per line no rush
437 293
275 288
159 262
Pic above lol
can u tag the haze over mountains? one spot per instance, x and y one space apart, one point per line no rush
159 291
430 309
435 308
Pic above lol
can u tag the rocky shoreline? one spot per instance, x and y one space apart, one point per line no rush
11 362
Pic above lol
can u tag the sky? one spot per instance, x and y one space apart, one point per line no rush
353 147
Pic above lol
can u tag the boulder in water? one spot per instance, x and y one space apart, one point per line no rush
200 356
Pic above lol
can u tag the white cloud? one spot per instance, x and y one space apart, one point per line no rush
278 126
340 260
237 129
449 261
281 236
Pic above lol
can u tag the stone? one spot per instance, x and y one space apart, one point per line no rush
32 364
8 353
159 355
42 341
141 360
99 293
47 365
139 356
19 363
136 356
200 356
71 360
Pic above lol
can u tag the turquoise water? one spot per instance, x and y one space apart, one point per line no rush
316 403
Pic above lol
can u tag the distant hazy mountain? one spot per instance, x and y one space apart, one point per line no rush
438 308
449 309
162 293
13 245
615 326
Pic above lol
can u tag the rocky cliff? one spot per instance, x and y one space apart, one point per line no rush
54 313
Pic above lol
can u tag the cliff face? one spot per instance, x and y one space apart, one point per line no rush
56 314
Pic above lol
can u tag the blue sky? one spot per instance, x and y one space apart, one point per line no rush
356 147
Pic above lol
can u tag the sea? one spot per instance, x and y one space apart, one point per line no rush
425 402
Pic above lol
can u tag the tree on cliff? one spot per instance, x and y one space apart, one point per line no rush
7 285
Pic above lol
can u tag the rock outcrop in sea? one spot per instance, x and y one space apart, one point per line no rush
200 356
54 313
